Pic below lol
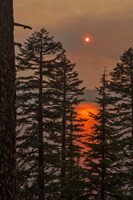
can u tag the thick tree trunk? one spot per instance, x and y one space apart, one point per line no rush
7 102
40 117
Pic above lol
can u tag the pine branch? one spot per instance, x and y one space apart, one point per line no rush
17 44
22 25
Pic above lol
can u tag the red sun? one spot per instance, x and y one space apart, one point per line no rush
87 39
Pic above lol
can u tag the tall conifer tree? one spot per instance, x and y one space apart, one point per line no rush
65 85
35 60
121 86
102 159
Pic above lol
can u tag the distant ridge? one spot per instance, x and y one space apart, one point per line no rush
90 95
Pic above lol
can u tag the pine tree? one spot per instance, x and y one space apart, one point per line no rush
35 60
121 86
65 90
103 157
7 102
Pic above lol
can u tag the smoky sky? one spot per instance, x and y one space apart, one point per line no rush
108 22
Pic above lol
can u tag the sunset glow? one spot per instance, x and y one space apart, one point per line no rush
84 109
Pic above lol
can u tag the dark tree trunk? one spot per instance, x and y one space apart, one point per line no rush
40 120
132 96
7 102
70 196
103 167
63 159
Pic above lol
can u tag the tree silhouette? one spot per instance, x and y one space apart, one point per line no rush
37 57
121 87
104 155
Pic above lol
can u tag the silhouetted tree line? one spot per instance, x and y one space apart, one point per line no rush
48 148
44 161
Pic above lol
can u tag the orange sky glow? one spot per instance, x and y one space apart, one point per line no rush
84 109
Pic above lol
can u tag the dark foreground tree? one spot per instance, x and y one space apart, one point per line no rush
7 102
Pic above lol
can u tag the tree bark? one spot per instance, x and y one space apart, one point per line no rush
132 96
7 103
40 122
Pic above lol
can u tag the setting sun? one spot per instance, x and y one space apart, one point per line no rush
87 39
84 109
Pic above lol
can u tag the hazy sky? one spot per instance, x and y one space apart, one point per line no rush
108 22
